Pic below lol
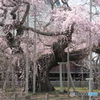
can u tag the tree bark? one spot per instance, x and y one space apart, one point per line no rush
46 62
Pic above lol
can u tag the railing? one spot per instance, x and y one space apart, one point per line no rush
76 83
55 83
72 70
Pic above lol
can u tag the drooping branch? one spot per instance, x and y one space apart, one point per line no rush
67 32
38 31
79 54
19 25
3 15
15 1
10 5
26 12
14 11
16 4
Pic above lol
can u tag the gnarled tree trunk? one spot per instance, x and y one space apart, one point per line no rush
46 62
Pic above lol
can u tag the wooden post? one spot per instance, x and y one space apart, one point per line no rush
82 72
68 70
82 97
12 77
60 73
70 77
61 84
47 96
15 96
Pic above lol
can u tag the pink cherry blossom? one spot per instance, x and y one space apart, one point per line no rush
97 2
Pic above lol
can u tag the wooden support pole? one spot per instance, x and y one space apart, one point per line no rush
61 84
69 74
47 96
34 55
27 60
90 60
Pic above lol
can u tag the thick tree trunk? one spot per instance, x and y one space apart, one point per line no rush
46 62
43 66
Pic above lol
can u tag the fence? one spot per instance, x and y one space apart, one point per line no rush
76 83
54 83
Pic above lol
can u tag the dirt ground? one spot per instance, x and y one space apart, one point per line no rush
59 96
56 95
38 96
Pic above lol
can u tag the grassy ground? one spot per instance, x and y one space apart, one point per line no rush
56 95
